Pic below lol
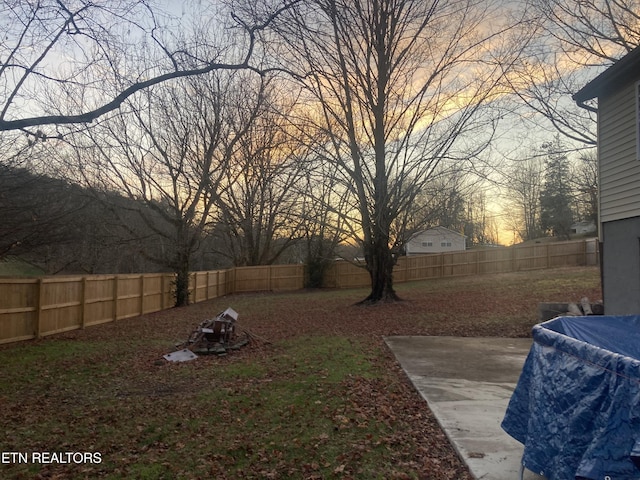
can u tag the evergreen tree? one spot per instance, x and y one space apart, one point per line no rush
556 214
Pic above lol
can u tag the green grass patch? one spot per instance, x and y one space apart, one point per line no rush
290 408
15 267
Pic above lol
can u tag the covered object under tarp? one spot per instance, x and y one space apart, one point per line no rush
576 407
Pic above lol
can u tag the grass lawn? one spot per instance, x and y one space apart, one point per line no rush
14 267
316 395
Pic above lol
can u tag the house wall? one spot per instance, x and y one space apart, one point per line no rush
617 154
619 172
621 266
583 227
452 241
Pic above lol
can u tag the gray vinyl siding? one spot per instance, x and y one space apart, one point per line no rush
617 151
620 268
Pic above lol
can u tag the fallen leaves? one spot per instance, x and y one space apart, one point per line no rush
322 398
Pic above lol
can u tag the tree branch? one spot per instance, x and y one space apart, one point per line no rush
91 115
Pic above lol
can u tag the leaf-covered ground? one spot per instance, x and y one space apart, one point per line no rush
315 395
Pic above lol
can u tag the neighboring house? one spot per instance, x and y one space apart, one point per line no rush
617 90
582 228
436 240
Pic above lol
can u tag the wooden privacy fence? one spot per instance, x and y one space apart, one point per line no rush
472 262
34 307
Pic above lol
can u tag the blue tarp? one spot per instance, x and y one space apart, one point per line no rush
576 407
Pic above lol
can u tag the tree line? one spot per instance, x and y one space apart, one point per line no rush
549 189
275 126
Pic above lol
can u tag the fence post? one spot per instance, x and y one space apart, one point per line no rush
406 268
83 306
162 290
115 297
38 329
301 275
142 294
234 287
548 255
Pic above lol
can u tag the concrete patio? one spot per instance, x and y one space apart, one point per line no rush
467 383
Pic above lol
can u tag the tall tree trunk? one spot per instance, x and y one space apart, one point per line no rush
380 259
182 267
182 285
380 264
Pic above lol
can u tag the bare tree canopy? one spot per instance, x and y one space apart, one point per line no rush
399 89
72 61
258 215
170 150
574 42
523 185
591 32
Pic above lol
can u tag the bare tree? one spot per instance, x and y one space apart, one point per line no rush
575 41
601 29
480 226
440 202
584 177
523 182
257 213
90 56
399 86
323 203
170 150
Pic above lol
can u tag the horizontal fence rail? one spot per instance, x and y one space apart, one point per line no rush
35 307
